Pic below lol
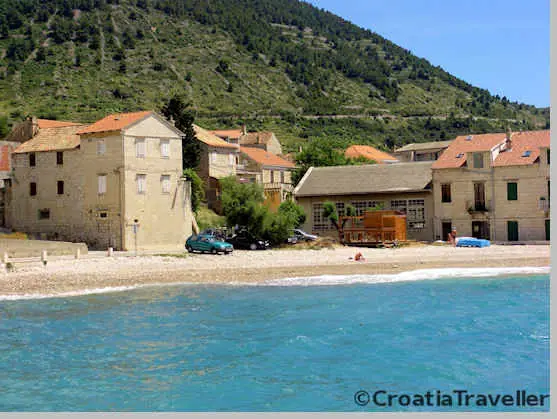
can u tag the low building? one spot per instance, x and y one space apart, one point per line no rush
494 186
218 160
369 153
269 170
404 187
421 151
116 183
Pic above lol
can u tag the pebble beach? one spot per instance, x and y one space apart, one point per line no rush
71 275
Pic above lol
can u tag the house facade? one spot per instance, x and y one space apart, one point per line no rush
421 151
404 187
218 160
494 186
265 140
269 170
116 183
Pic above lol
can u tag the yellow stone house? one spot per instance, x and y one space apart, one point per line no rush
494 186
115 183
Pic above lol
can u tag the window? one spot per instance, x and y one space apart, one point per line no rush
101 179
44 214
548 155
141 183
60 187
165 149
399 205
213 156
362 206
101 147
282 177
59 157
512 191
526 153
103 214
165 183
272 176
340 209
478 160
416 210
140 148
33 189
319 221
446 192
32 160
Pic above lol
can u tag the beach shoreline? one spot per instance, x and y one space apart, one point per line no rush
67 276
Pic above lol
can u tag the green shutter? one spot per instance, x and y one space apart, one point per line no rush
512 231
512 191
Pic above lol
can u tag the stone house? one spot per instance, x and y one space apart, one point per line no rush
269 170
421 151
218 160
265 140
405 187
115 183
494 186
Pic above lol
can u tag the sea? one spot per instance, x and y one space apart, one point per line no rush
329 343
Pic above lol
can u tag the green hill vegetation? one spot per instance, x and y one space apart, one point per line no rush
281 65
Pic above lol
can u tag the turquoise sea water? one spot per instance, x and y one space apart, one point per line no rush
285 348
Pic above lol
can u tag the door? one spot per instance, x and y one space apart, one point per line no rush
479 196
446 227
547 230
512 231
480 229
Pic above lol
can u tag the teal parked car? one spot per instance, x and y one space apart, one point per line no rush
206 243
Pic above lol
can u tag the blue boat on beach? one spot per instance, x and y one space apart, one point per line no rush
472 242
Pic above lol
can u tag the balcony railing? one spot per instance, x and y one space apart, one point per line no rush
278 186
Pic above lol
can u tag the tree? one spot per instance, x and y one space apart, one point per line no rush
177 112
243 206
330 212
3 126
292 211
197 190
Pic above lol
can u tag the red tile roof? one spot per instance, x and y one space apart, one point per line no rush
211 139
50 123
115 122
368 152
521 141
52 139
265 158
230 133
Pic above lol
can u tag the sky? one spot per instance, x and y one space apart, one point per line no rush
498 45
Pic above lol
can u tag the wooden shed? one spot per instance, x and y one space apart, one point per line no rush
380 227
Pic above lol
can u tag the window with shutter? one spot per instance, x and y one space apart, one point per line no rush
101 184
101 147
141 184
512 191
165 182
165 148
140 148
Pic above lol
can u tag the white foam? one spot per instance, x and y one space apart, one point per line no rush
417 275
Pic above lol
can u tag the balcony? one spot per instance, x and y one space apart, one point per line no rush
476 208
277 186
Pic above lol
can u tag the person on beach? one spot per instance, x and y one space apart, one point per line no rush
359 257
452 237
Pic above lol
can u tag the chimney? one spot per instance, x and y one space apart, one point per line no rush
244 129
508 137
34 126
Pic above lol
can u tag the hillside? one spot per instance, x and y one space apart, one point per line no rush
273 64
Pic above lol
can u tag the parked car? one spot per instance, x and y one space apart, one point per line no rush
301 235
246 240
207 243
